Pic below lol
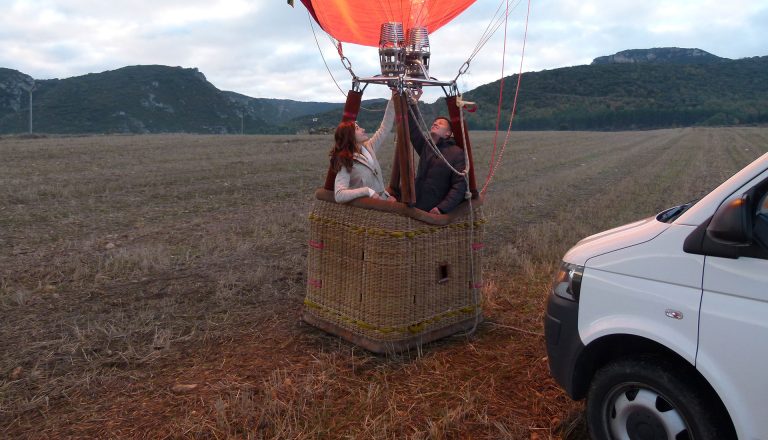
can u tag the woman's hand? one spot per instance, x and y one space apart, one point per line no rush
392 199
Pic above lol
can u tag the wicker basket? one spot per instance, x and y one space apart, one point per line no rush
387 281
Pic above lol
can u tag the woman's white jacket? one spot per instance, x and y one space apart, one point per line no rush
365 179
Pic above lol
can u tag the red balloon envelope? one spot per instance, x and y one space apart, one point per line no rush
359 21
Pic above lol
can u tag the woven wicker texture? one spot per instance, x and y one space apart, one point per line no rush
387 277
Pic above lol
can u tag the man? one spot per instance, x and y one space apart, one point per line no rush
438 189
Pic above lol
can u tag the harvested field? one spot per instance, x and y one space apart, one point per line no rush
151 286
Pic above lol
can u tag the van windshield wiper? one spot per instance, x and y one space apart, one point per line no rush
672 213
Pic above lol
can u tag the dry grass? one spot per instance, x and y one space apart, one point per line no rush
151 286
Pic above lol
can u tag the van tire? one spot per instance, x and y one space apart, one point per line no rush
646 397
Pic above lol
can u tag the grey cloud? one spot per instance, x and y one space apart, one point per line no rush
266 49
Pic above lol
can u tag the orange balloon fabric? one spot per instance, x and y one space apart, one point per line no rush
359 21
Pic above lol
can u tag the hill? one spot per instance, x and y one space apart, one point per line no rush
633 89
141 99
621 96
13 90
630 90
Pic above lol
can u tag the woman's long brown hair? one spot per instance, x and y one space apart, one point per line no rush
345 147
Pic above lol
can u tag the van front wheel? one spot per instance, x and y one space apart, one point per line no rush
650 399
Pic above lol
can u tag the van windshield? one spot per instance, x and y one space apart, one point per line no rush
669 215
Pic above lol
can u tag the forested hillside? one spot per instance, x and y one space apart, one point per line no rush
634 89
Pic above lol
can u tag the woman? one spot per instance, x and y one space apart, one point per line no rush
353 157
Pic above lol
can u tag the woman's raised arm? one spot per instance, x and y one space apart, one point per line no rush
378 138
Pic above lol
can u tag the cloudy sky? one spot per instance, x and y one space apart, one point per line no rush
266 49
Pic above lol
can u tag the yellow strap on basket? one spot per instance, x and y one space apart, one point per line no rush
412 329
379 232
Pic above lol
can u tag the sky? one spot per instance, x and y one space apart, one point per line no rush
266 49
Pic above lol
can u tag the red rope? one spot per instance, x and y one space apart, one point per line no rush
494 166
501 94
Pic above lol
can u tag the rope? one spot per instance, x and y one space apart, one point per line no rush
322 56
496 26
492 167
347 65
468 196
493 25
390 13
487 34
417 116
419 17
514 104
501 95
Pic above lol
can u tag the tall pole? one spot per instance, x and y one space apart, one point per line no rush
30 89
30 108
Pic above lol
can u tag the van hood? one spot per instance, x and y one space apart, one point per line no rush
613 239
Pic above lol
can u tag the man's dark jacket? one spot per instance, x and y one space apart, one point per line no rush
436 185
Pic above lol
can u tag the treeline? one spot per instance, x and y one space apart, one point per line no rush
630 96
161 99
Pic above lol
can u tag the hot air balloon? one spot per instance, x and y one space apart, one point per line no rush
359 22
387 276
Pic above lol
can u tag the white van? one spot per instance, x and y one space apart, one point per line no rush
662 324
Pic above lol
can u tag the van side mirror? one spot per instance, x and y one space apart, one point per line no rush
732 223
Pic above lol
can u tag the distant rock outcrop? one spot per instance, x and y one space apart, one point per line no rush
665 55
13 89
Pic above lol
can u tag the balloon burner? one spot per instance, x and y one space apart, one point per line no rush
399 56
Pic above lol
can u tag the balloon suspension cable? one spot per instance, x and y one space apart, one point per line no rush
498 107
494 24
495 166
499 17
309 16
476 286
344 62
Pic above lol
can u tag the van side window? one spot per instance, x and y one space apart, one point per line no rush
760 222
762 207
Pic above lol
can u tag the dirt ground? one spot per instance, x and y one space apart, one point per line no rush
152 286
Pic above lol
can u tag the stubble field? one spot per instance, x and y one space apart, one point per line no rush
151 286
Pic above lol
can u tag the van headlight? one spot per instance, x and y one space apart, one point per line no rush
568 281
